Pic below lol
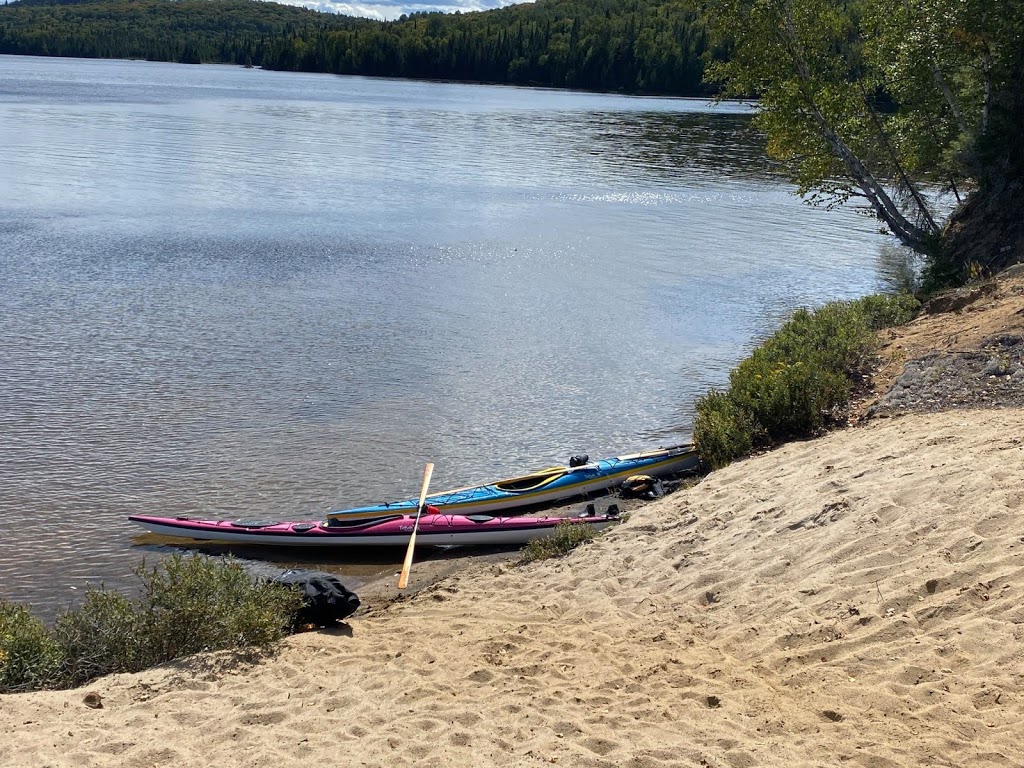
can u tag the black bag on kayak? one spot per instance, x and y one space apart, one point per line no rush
326 598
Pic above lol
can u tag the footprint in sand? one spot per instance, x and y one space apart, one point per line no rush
600 746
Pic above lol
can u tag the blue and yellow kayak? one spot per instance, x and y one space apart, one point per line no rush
545 486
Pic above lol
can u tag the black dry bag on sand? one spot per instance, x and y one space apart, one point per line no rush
326 599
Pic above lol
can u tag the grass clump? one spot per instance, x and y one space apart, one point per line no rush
798 381
188 605
565 538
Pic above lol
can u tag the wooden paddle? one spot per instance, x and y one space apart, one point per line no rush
403 579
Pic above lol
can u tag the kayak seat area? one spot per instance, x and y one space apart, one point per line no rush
334 523
532 481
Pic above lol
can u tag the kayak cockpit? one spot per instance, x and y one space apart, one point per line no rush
531 482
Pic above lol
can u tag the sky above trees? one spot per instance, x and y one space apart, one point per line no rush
392 9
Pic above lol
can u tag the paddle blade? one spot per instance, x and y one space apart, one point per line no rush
403 578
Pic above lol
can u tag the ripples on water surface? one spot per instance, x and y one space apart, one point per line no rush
237 292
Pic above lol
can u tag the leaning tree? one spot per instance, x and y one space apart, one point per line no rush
914 106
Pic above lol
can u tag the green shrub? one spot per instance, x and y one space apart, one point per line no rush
566 537
798 381
885 311
835 337
942 273
29 658
189 604
786 399
722 430
102 637
194 604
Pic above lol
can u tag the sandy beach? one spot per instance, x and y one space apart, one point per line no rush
856 599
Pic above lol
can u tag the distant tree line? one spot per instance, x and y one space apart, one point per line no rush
652 46
188 31
623 45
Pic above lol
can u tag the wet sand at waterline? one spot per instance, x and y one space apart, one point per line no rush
854 599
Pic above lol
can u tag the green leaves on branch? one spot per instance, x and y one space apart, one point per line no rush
886 100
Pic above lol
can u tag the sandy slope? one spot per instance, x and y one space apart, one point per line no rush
851 600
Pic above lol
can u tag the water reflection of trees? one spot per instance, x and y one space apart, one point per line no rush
666 144
602 147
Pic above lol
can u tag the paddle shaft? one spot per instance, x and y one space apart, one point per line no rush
403 579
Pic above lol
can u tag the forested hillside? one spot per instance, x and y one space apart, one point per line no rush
654 46
191 31
633 45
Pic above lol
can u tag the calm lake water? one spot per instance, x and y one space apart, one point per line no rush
236 292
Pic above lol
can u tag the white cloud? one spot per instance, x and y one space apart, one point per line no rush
392 10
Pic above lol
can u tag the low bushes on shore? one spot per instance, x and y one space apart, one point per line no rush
565 538
189 604
798 381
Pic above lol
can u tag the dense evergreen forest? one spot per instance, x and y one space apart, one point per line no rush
653 46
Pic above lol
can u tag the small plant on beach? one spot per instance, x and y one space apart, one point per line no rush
188 605
565 538
798 381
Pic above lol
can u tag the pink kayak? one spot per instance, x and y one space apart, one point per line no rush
389 530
